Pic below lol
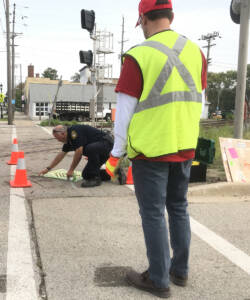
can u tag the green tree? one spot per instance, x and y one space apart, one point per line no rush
227 99
50 73
75 77
19 93
222 89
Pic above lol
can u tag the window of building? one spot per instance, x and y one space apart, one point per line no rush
42 109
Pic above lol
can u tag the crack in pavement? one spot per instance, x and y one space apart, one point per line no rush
39 264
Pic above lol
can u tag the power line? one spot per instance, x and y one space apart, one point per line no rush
122 42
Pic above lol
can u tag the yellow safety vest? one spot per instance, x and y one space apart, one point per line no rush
166 119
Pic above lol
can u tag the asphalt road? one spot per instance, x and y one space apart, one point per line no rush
59 241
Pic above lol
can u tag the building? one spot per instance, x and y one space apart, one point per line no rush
40 93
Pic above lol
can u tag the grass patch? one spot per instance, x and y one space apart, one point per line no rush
55 122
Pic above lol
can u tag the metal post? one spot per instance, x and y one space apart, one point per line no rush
208 56
94 37
40 111
122 42
242 69
218 100
13 60
10 119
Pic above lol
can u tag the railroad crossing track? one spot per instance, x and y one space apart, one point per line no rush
213 123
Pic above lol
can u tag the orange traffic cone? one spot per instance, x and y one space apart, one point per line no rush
20 179
14 141
14 155
129 175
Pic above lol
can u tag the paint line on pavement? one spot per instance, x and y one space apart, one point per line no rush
45 129
131 187
235 255
232 253
20 274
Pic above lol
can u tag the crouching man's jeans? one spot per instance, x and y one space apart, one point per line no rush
160 186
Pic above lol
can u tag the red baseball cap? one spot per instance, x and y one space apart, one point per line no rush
149 5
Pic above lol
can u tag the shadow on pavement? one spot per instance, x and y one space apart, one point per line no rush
107 276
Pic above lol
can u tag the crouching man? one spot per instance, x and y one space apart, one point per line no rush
85 141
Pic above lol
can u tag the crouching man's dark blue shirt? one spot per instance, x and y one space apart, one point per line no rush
81 136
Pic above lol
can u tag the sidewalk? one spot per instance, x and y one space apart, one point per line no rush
88 238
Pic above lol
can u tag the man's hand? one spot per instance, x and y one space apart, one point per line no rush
112 164
44 171
70 174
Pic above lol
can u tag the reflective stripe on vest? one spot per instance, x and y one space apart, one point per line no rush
154 99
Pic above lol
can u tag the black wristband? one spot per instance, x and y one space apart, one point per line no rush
48 168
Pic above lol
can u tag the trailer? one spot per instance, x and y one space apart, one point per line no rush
68 111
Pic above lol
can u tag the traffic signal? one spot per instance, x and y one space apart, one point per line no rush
88 19
235 11
86 57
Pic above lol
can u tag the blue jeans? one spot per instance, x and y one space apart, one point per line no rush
160 186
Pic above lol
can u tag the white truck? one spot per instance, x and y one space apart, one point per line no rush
79 111
105 114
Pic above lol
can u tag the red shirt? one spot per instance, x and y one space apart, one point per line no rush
130 83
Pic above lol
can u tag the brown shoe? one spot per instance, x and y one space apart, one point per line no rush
178 280
143 282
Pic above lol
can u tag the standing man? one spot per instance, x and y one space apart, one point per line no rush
158 111
88 141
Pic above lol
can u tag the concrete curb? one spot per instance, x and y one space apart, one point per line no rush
224 189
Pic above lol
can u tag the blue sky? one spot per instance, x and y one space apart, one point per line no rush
54 36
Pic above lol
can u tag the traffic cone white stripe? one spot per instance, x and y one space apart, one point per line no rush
14 155
20 164
14 148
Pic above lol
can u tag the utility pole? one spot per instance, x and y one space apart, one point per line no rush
209 38
242 69
13 59
55 99
122 41
21 87
9 85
